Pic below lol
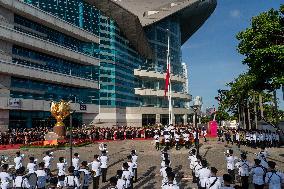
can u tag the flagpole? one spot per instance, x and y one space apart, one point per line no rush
170 88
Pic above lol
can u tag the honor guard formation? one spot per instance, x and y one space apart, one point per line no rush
80 174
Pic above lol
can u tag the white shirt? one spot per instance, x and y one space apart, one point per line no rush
243 167
231 162
120 184
71 180
21 182
274 180
76 163
257 175
5 179
61 168
18 162
197 168
96 167
186 137
170 186
211 180
31 167
134 160
203 175
126 175
47 161
104 161
157 138
41 178
192 159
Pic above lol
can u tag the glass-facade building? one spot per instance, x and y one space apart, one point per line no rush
73 50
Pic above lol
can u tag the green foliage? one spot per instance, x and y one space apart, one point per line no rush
263 47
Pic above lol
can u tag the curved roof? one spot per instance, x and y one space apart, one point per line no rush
132 15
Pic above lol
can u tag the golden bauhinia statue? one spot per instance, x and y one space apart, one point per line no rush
60 110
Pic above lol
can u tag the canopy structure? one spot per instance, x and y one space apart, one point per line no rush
133 15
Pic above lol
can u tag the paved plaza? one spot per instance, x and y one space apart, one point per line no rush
149 159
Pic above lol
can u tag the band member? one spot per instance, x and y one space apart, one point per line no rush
203 174
170 184
31 166
18 160
41 176
21 182
76 164
230 158
96 168
85 175
177 138
204 133
47 160
113 183
227 178
157 141
61 166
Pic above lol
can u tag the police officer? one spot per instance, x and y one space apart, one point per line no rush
213 182
258 173
243 165
274 179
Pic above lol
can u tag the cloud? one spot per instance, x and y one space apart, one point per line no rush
235 13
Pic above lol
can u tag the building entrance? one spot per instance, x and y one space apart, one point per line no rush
148 119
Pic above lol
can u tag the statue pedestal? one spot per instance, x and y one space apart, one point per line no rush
60 131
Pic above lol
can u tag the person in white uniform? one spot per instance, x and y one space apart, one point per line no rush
230 159
31 166
213 182
85 175
18 160
61 166
134 158
71 181
21 182
243 169
5 177
76 164
157 141
203 174
274 179
126 175
104 164
96 169
41 176
47 160
258 173
170 184
121 184
113 183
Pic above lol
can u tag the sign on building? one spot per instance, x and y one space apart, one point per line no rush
15 102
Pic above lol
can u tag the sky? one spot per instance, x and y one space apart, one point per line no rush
211 53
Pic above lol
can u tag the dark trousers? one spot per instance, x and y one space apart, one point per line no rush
232 173
104 173
258 186
135 174
245 182
96 181
157 146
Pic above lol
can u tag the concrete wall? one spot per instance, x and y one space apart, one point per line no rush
4 120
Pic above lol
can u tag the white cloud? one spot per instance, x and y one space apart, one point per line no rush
235 13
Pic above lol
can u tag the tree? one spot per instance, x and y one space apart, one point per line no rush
263 47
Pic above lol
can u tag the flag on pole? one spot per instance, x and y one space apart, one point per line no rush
167 80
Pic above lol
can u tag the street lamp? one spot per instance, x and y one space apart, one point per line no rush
196 106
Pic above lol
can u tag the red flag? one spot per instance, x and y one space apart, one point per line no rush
167 80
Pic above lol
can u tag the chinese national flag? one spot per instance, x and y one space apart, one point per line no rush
167 82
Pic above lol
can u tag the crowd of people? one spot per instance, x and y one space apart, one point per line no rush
81 174
250 138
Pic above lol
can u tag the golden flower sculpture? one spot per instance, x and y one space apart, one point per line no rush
60 110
